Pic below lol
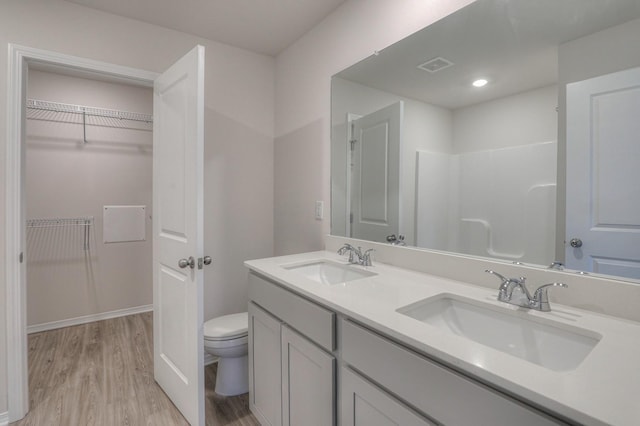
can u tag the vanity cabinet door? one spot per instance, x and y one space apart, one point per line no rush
364 404
308 375
265 376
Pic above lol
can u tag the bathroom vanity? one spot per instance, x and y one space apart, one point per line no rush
335 343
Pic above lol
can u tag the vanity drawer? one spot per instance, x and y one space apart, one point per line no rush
310 319
437 391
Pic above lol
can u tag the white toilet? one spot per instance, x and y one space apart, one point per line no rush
226 337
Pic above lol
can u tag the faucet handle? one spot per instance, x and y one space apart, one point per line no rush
502 277
541 296
505 280
345 248
366 257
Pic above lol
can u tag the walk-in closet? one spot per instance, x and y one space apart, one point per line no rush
89 151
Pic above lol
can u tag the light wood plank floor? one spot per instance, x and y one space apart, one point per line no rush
102 374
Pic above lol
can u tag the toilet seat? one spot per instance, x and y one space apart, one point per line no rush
227 343
227 328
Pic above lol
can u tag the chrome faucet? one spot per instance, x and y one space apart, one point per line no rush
505 291
515 292
356 256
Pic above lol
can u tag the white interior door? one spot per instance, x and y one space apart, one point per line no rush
603 174
178 145
375 174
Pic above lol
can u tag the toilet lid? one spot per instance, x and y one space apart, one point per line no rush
227 327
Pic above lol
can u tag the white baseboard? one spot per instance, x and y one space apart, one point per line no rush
36 328
4 418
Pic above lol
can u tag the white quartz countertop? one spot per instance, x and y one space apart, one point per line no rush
604 389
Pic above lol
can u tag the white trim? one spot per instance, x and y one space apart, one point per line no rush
351 117
18 62
17 386
46 326
4 418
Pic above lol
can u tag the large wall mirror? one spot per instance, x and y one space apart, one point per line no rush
539 164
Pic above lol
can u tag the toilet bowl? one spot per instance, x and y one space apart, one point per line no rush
227 338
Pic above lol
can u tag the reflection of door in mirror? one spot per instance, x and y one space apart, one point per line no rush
603 174
375 174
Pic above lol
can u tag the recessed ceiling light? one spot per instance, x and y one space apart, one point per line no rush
480 82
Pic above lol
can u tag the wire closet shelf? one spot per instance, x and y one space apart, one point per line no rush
58 222
40 105
80 114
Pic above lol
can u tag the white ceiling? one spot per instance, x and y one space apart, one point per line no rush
263 26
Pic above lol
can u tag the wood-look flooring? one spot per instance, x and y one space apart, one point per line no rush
101 373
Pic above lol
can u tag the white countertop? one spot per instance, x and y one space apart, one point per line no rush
603 390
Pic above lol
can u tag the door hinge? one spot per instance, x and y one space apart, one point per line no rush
353 144
350 217
21 257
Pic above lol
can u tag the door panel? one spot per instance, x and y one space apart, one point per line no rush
265 378
603 171
375 174
307 382
178 143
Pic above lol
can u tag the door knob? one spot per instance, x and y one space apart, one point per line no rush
575 242
204 261
183 263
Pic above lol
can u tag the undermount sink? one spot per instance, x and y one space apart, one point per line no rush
547 343
326 272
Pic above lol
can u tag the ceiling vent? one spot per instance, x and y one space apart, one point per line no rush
435 65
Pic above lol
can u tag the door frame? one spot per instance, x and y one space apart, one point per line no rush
15 272
351 117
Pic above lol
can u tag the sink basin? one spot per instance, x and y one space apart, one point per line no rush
552 345
326 272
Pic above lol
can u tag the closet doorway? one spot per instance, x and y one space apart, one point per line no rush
88 193
88 254
178 143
